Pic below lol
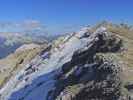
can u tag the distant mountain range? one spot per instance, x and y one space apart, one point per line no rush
11 41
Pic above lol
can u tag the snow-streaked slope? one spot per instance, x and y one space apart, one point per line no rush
37 78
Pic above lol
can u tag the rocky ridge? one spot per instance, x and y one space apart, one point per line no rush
91 76
84 65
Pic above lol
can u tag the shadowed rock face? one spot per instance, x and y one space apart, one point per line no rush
105 83
99 81
90 76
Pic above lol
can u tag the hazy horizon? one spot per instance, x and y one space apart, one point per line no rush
61 16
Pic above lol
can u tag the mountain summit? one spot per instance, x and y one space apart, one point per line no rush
94 63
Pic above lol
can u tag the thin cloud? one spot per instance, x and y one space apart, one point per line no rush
23 26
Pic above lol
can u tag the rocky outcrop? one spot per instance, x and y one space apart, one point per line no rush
99 81
89 76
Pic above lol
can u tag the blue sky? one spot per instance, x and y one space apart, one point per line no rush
61 15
